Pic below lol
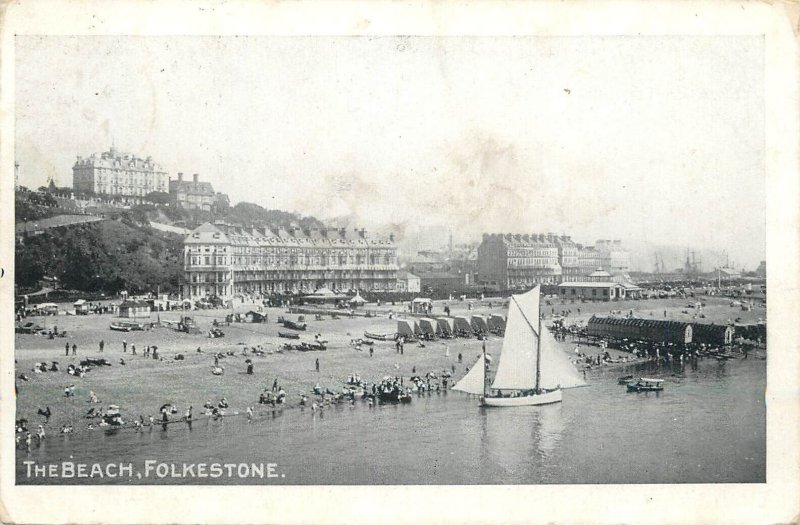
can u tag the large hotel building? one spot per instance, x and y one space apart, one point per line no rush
117 173
512 260
227 261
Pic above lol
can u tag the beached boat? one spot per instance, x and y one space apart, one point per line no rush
293 326
645 384
288 335
125 326
532 369
380 337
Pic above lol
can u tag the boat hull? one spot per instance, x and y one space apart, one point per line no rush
524 401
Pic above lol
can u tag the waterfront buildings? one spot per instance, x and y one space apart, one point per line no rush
117 173
521 260
228 261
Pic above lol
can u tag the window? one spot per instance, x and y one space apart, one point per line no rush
605 292
594 291
207 259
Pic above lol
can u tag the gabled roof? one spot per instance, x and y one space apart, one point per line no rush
207 233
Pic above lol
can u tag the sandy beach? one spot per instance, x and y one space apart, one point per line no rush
143 384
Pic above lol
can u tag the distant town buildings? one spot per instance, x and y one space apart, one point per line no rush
228 261
514 260
408 282
118 173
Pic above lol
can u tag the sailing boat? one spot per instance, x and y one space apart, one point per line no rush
532 369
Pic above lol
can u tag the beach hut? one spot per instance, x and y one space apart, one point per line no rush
713 334
479 324
407 328
446 326
462 326
134 309
81 307
497 323
653 330
428 326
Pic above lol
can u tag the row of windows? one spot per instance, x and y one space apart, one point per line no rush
196 260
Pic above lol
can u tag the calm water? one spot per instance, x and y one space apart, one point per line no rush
707 426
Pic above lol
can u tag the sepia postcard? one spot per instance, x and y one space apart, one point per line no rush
431 262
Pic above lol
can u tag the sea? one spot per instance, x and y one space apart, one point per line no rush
707 426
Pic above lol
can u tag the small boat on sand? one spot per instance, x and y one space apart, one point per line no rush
380 337
288 335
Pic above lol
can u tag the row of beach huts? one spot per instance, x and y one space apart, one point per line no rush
448 327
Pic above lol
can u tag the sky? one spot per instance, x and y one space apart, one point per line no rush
657 139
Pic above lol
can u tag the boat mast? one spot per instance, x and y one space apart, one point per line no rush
538 353
483 372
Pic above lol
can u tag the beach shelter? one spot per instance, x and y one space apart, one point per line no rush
478 323
81 307
428 326
421 305
462 324
446 325
407 328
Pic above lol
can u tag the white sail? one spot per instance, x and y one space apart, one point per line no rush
555 369
517 368
472 383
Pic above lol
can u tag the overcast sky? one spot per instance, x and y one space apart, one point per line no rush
649 138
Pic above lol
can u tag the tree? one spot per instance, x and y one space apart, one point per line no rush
158 198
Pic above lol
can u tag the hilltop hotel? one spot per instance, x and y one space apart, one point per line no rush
227 261
118 173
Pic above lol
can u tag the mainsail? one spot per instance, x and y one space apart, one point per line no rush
555 369
517 368
472 383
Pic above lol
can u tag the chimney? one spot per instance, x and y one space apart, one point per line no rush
180 176
195 178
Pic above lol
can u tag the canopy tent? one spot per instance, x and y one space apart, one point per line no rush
446 325
428 326
478 323
407 328
79 302
357 300
462 324
497 322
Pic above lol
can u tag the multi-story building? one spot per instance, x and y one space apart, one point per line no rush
613 257
117 173
193 195
226 261
568 258
588 262
513 260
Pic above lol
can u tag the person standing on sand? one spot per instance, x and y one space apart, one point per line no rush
317 364
66 349
74 349
102 344
124 346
